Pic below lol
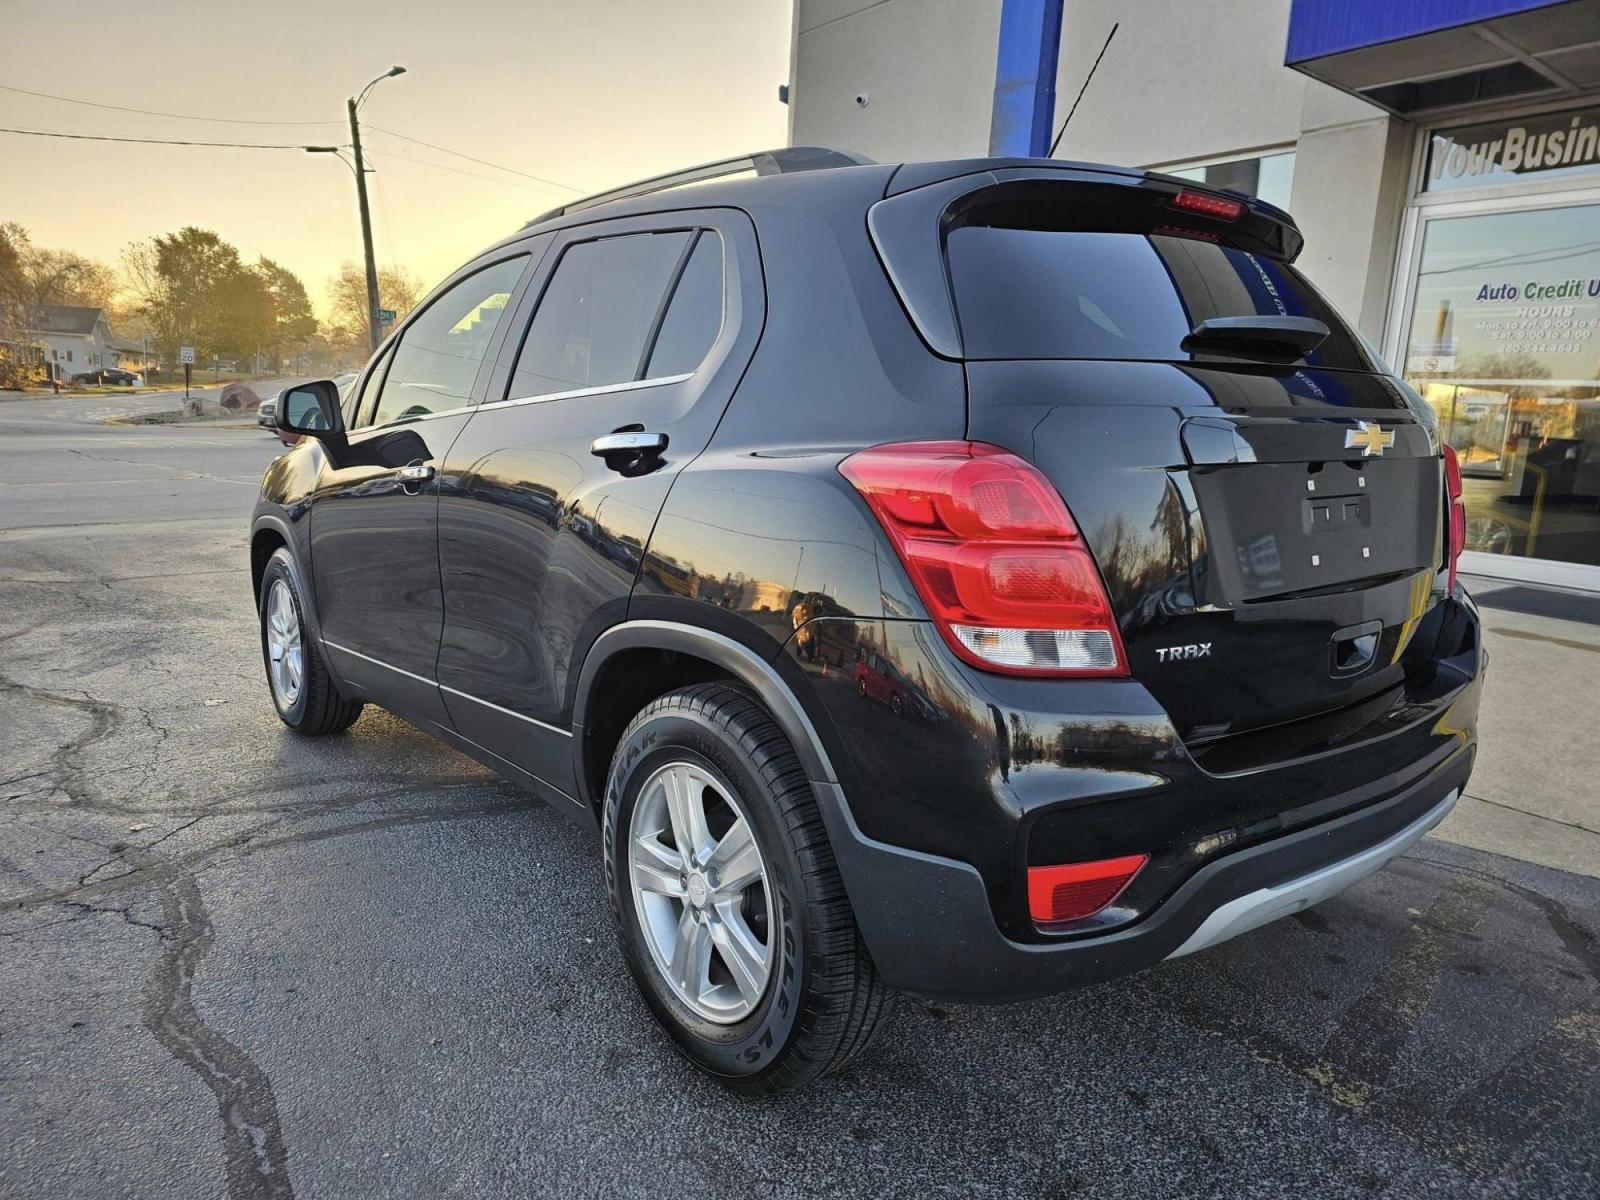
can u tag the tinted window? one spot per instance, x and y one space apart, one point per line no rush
597 313
1036 293
361 412
437 359
694 318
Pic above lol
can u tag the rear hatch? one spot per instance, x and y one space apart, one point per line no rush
1264 501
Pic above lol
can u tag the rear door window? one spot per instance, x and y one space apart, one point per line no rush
598 313
694 316
1053 293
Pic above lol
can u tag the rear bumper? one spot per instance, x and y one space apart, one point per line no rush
929 926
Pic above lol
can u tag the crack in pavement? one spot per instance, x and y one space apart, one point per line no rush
246 844
255 1151
256 1157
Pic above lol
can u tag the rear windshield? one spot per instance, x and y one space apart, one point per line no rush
1076 293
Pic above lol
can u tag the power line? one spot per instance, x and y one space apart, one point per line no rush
149 112
422 162
483 162
101 137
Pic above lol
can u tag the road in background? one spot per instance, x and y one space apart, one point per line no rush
238 963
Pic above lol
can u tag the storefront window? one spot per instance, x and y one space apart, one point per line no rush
1504 344
1268 177
1539 148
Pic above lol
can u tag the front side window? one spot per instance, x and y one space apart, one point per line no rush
598 313
436 360
365 401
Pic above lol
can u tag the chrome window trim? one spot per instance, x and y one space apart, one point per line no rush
629 386
573 393
378 662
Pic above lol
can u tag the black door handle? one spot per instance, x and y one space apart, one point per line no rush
630 452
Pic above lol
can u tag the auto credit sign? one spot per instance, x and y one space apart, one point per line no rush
1559 143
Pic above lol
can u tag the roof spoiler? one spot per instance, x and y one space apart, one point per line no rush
784 161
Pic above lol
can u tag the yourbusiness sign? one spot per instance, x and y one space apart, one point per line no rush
1549 145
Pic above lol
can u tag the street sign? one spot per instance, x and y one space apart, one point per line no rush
385 315
186 355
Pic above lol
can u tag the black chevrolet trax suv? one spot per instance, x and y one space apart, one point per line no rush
971 578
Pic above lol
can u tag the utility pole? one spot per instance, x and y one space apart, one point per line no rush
354 106
366 226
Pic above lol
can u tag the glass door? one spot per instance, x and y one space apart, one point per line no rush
1501 336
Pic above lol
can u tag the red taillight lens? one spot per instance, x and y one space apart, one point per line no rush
1078 890
1457 534
1218 207
995 556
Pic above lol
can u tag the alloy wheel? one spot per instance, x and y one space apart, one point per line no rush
701 892
285 651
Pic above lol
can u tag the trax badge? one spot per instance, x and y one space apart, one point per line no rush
1371 438
1168 654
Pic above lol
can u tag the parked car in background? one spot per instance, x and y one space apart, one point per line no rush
110 376
266 413
1144 566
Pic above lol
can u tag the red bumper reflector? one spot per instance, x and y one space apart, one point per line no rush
1456 534
1076 890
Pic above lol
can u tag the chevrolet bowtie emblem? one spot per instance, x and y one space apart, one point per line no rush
1371 438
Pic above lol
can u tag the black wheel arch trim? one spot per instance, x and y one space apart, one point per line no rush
733 656
302 583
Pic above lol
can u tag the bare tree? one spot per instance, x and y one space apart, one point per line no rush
398 289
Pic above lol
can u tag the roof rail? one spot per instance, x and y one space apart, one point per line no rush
783 161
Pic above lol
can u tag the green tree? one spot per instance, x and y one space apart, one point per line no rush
189 288
294 324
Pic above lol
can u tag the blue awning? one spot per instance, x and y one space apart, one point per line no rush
1414 55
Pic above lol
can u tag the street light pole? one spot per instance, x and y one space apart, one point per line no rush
366 226
360 169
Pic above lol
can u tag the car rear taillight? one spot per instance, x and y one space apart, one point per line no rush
1457 533
1077 890
1218 207
995 556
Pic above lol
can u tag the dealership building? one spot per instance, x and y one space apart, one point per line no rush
1442 158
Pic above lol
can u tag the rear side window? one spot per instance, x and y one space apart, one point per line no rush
1038 290
694 317
598 313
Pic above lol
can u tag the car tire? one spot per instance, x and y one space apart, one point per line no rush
303 692
821 999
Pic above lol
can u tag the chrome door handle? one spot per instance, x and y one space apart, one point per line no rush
628 443
413 476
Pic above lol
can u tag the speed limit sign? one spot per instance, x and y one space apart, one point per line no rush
186 355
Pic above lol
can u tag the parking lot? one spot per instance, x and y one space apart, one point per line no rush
235 963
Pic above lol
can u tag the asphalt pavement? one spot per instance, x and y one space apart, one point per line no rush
237 963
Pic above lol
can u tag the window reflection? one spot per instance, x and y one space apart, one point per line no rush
1504 345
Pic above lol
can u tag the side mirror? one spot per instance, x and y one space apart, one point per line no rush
312 409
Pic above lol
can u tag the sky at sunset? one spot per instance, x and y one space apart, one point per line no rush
587 93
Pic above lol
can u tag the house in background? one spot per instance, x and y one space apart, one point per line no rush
76 338
130 355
